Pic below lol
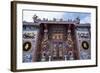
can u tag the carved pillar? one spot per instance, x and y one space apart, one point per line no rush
69 43
44 45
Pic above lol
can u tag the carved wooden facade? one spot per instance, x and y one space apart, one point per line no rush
53 41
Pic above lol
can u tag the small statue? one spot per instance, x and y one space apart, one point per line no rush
78 20
35 18
54 19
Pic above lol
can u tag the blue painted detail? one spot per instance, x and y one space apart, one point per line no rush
27 57
84 56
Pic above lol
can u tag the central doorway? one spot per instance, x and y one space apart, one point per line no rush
57 36
57 50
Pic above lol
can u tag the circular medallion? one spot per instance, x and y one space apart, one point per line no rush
85 45
27 46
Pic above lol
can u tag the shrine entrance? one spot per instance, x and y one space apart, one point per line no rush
57 38
57 43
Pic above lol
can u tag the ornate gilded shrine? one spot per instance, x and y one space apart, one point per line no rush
57 42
